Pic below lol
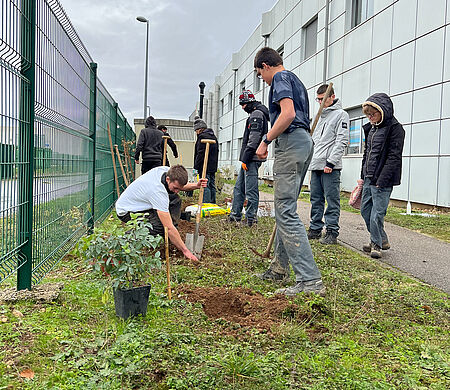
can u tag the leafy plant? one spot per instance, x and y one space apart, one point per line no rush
124 254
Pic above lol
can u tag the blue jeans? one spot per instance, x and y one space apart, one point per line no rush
246 186
325 186
374 204
209 194
293 153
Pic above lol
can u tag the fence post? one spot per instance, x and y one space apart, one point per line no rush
26 146
115 106
93 148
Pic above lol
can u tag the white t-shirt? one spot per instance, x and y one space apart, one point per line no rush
145 193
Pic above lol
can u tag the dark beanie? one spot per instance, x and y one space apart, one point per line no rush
199 123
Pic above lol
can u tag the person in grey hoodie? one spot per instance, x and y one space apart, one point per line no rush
330 139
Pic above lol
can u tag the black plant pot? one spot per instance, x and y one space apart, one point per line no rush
131 302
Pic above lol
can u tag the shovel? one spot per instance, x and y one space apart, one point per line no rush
194 242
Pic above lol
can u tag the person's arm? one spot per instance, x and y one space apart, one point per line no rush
139 146
172 145
195 186
341 141
174 235
200 149
256 132
287 115
394 156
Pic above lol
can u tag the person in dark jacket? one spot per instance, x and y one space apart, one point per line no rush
170 142
381 167
203 132
246 185
150 144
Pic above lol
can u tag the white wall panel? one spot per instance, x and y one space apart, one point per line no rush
407 142
337 7
447 53
401 191
378 5
445 138
356 85
403 107
404 23
357 49
430 15
337 28
427 103
423 179
307 72
379 80
319 68
429 57
444 182
446 100
402 67
335 58
425 138
382 32
351 171
309 9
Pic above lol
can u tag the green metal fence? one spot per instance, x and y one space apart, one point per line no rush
56 175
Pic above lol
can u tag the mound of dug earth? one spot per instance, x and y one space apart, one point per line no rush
243 306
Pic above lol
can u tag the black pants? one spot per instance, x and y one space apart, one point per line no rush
152 215
150 164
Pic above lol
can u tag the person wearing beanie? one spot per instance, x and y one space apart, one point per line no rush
381 167
170 142
150 144
203 132
246 185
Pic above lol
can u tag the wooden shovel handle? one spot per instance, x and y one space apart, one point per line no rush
205 165
165 137
325 97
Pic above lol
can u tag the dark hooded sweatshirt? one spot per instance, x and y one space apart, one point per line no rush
150 142
255 128
200 149
382 158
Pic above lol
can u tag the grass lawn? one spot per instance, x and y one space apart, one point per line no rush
437 226
225 329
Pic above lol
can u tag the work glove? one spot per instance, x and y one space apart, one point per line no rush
244 167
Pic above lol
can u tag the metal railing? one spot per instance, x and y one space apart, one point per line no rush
56 176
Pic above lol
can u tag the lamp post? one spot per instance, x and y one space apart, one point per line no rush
144 20
202 94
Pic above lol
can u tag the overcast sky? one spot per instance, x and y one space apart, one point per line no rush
190 41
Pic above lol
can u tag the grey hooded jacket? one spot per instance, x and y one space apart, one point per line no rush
330 138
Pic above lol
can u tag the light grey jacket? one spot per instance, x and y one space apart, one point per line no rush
330 138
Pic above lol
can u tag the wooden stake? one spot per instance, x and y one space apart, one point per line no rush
127 170
165 137
125 178
166 238
129 161
113 160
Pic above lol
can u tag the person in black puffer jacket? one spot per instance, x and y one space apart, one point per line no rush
246 185
381 167
150 145
203 132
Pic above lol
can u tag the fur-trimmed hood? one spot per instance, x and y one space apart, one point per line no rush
382 103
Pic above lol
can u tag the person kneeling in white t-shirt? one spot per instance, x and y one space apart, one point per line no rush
155 193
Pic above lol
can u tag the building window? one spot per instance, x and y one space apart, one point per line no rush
221 107
280 51
256 82
228 150
230 101
309 33
242 86
239 144
360 11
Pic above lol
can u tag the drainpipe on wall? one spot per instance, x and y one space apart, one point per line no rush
325 45
232 103
216 108
266 38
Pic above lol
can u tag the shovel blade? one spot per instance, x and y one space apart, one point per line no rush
196 247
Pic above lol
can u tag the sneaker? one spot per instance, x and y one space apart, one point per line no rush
314 234
312 286
232 219
249 223
329 239
368 247
375 252
273 276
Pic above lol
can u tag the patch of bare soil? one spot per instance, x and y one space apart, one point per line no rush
42 293
243 306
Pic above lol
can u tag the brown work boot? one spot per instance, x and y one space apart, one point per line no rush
368 247
375 252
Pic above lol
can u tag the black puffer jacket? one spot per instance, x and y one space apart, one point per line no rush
382 159
255 127
200 149
150 142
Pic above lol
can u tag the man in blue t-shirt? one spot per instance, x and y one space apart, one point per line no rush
289 116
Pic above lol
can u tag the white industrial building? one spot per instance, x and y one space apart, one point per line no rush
401 47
